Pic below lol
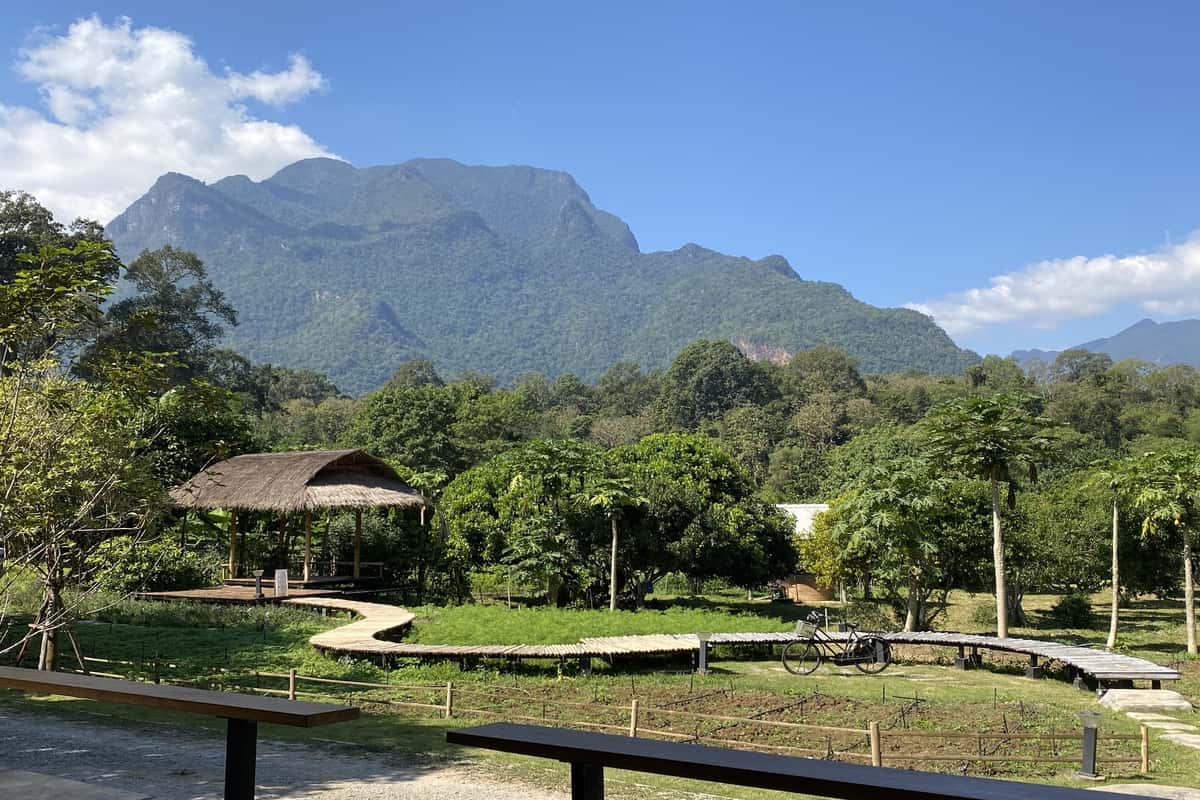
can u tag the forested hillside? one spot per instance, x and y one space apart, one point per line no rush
507 269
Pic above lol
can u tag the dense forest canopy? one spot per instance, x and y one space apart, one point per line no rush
995 478
506 269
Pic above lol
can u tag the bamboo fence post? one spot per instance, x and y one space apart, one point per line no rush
1145 750
449 699
291 684
633 717
876 745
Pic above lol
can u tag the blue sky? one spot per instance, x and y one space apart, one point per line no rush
912 152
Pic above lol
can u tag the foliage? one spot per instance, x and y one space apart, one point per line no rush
337 270
1073 611
124 564
707 379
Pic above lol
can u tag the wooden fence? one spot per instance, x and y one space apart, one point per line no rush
452 700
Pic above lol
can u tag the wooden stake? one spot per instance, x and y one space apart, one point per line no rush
307 545
1145 750
876 745
449 699
357 538
633 717
291 684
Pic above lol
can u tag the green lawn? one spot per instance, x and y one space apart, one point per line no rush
223 646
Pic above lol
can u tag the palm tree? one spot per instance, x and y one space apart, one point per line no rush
991 437
613 496
1116 476
1169 498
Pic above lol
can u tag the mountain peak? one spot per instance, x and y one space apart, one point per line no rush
505 269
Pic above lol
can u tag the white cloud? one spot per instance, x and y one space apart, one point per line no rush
1165 282
124 105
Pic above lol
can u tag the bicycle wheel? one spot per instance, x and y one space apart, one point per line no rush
880 648
801 658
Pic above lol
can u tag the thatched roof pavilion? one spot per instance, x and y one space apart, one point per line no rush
286 483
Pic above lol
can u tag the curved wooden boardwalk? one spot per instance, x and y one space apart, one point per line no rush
361 638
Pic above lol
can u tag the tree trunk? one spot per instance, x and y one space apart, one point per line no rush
1189 593
1116 580
998 558
913 604
49 621
612 572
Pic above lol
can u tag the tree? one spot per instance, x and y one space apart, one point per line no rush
176 311
707 379
415 373
613 496
991 437
1117 477
822 369
1169 499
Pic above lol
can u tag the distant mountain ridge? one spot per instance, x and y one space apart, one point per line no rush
499 269
1162 343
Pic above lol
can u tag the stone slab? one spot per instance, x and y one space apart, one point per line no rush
1145 700
1164 725
19 783
1186 739
1146 716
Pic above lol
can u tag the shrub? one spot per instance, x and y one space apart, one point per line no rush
869 616
1073 611
125 565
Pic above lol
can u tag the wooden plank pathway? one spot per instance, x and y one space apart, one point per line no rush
361 638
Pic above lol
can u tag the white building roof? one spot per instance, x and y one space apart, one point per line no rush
804 514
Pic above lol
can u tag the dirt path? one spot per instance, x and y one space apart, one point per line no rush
167 763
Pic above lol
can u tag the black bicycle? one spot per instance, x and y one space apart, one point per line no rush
869 653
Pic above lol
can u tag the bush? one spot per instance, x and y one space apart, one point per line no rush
985 613
1073 611
869 616
124 565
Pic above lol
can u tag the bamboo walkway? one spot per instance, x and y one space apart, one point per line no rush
374 620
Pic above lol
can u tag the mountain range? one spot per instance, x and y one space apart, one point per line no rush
499 269
1157 342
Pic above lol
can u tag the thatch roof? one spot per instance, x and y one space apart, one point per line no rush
287 482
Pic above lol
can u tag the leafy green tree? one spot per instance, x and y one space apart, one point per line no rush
991 437
1169 499
707 379
413 427
624 390
994 373
749 433
414 374
822 369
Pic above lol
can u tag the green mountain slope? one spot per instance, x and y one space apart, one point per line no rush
500 269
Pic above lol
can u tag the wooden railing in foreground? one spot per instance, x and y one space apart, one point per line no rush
242 712
449 700
590 753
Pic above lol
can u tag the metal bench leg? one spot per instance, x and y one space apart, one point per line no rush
241 742
587 782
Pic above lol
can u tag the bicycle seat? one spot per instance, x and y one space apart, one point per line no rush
851 626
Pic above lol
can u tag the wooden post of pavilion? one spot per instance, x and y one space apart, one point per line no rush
283 542
233 531
307 544
357 538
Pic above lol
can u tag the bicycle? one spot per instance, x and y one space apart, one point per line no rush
870 654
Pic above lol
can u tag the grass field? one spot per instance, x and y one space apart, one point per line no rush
223 645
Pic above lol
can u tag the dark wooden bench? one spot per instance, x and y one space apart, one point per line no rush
589 753
242 712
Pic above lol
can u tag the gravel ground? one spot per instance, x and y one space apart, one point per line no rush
166 763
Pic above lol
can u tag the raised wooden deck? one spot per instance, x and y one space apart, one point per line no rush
360 638
235 595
